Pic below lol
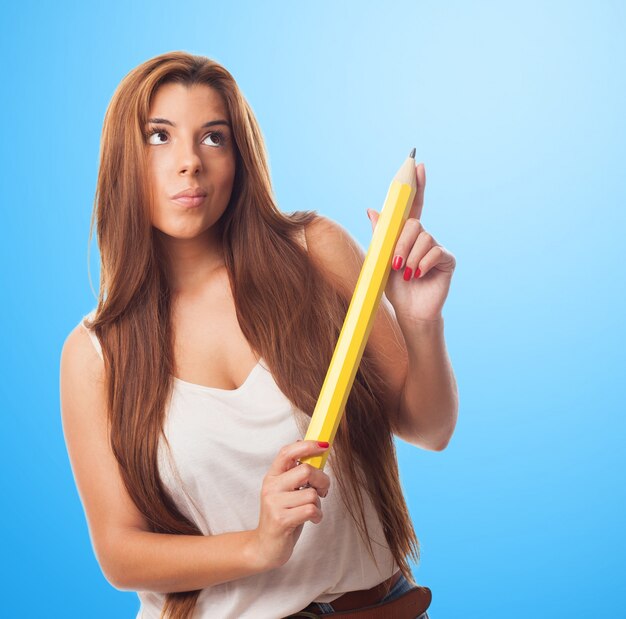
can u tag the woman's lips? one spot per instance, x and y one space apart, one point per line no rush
190 202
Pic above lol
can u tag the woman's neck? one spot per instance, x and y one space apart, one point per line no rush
192 262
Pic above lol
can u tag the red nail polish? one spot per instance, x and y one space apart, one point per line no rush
417 273
322 443
397 263
407 274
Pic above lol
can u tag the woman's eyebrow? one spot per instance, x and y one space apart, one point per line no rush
164 121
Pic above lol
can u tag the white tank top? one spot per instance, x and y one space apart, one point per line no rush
222 443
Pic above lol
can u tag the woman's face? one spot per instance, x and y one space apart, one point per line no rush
184 153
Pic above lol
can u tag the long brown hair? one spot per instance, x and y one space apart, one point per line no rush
287 309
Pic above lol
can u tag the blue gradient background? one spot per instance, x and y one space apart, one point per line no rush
517 111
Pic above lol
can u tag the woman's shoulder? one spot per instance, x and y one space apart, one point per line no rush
334 251
80 367
82 345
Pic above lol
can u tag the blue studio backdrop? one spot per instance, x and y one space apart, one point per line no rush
517 111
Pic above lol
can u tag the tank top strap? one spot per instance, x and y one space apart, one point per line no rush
92 336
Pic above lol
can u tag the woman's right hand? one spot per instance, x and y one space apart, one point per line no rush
284 507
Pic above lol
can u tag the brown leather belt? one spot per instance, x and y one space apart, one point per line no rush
365 597
409 604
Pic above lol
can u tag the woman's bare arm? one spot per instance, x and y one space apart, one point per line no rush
130 556
144 561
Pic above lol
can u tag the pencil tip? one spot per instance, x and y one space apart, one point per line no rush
412 155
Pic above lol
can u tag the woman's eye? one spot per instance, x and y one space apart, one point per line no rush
153 133
221 138
219 135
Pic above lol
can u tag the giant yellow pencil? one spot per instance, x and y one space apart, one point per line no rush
362 310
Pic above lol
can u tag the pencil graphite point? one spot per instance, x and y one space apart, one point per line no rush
412 154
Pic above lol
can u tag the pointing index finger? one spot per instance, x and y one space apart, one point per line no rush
418 200
289 456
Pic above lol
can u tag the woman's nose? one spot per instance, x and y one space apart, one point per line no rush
188 160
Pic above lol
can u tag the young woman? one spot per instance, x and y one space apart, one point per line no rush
186 392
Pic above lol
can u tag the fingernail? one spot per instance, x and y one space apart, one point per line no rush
322 443
407 274
397 263
417 273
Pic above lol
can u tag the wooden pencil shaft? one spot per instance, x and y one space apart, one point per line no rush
362 310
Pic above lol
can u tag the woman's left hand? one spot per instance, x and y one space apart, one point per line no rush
421 297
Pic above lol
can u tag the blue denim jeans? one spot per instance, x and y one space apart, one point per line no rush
402 586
